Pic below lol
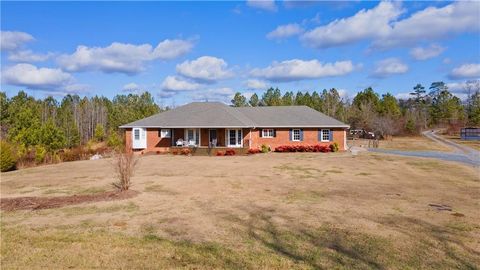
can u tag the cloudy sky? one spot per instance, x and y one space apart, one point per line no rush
184 51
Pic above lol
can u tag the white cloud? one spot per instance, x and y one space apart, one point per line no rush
224 94
404 96
170 49
433 23
388 67
256 84
382 25
121 57
268 5
285 31
370 23
207 69
12 40
131 87
30 76
28 56
293 70
172 84
424 53
466 71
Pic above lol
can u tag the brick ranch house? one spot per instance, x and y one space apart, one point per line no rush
214 125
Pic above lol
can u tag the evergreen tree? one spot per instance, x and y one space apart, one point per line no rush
239 100
254 102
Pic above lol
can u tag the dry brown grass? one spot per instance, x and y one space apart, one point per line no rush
473 144
277 210
418 143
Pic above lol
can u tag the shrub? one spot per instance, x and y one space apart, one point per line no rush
303 148
40 154
253 151
334 147
7 157
175 152
230 152
220 153
124 166
99 133
114 140
186 152
265 148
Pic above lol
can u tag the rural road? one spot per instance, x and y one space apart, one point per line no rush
460 153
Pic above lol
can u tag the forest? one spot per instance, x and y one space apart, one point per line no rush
37 131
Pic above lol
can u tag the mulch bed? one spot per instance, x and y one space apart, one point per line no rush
36 203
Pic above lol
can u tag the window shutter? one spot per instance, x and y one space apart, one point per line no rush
261 133
330 135
301 134
319 135
290 134
274 133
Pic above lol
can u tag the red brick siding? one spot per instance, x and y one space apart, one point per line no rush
310 137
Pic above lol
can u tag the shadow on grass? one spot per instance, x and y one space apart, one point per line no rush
337 246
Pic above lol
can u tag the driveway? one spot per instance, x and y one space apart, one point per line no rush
461 153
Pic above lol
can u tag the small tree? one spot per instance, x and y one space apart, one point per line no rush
7 157
99 133
114 140
125 166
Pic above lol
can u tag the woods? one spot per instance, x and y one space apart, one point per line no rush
37 129
384 114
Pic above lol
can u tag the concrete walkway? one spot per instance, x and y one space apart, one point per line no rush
461 153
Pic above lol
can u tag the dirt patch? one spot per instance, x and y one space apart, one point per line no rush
36 203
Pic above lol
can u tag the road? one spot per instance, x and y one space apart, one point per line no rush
461 153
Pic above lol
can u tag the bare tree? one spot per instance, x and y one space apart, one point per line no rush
124 166
385 126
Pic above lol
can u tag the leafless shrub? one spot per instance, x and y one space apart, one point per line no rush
124 167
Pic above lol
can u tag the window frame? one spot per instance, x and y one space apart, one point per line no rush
299 135
238 137
136 134
164 135
322 134
268 133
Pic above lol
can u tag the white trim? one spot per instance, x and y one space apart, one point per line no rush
267 129
299 135
141 142
321 135
195 130
227 138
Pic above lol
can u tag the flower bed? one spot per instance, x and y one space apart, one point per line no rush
303 148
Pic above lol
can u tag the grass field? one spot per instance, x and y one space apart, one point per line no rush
277 210
414 143
456 138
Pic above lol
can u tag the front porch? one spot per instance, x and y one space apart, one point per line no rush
206 137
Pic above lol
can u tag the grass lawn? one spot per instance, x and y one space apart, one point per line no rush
277 210
473 144
413 143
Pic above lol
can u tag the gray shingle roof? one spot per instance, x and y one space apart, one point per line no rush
218 115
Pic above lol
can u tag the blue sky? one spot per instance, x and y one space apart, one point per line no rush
184 51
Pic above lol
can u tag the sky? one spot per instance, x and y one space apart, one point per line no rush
198 51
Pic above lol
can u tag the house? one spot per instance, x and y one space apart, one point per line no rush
216 125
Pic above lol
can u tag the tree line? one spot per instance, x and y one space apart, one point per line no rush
384 114
47 125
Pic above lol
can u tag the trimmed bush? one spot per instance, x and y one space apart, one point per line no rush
7 157
265 148
334 147
220 153
253 151
230 152
303 148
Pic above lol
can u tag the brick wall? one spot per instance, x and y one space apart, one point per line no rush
310 137
250 137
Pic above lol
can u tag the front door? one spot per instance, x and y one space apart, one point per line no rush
212 137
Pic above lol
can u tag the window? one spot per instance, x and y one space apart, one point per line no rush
267 133
234 137
296 135
136 134
165 133
325 135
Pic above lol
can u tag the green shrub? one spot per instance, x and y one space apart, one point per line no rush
265 148
99 133
114 140
7 157
40 153
334 147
